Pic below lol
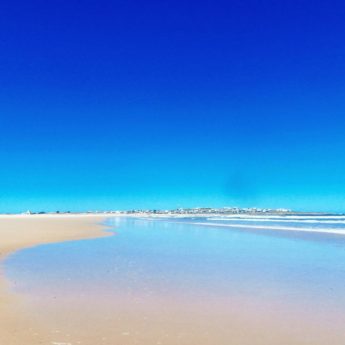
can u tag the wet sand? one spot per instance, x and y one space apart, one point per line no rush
18 326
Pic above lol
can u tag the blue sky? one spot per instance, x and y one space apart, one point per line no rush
117 104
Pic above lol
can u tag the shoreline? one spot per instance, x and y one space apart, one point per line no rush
19 232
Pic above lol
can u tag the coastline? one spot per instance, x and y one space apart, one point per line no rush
18 232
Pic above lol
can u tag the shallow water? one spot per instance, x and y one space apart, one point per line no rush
169 282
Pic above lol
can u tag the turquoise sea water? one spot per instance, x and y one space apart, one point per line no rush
175 259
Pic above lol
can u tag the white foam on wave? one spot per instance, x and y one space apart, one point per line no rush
290 220
283 228
281 217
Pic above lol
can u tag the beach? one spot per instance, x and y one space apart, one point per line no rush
168 283
18 327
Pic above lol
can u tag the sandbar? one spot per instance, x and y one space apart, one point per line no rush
17 232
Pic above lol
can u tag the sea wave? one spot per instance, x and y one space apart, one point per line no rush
283 228
281 217
276 220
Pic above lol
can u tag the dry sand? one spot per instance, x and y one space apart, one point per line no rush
17 232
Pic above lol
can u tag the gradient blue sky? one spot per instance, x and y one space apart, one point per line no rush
131 104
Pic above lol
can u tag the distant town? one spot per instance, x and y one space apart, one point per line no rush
182 211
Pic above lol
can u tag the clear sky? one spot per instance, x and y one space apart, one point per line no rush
161 104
